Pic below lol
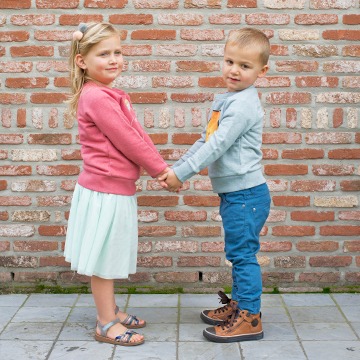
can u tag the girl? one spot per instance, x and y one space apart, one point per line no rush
102 234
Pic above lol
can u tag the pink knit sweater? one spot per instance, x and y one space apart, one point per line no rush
113 144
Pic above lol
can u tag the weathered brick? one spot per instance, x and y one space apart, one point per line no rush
330 261
317 246
313 216
176 246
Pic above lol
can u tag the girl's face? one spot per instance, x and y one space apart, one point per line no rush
104 62
242 66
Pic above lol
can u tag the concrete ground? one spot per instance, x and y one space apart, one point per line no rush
296 327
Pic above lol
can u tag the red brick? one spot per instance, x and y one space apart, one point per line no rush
330 261
352 35
328 138
57 201
57 4
320 277
20 261
50 139
31 19
288 98
212 246
76 19
48 98
287 262
185 138
148 98
53 261
351 50
275 246
185 215
350 185
351 19
344 154
12 99
154 261
338 115
317 246
35 277
314 216
202 35
352 246
285 230
270 154
192 98
282 138
315 19
176 246
222 19
10 170
153 34
52 230
176 277
332 170
27 83
277 277
297 66
301 154
211 4
340 230
195 261
15 4
292 201
31 51
317 81
34 246
195 200
211 82
200 231
157 231
197 66
105 4
313 185
15 200
285 169
279 50
349 215
4 246
155 201
58 170
17 36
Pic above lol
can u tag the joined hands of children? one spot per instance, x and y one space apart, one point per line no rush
169 181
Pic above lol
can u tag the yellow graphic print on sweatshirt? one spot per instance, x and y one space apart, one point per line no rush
213 124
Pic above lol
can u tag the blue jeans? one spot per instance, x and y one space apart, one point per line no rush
243 215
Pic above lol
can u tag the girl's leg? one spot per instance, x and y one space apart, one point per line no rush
103 293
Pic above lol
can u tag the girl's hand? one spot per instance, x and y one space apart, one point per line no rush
173 183
162 176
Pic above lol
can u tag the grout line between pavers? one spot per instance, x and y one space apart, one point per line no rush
343 314
177 342
19 307
62 327
293 326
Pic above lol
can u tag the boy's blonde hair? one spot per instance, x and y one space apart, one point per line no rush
93 33
247 37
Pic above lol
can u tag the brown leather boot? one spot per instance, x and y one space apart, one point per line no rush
240 326
221 314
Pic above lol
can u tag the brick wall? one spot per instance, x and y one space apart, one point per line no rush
173 51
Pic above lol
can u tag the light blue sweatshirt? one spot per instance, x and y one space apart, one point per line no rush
233 152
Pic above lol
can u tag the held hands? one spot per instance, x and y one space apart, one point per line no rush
168 180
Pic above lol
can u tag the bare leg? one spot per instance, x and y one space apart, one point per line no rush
103 293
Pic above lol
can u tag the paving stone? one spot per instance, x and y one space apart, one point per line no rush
159 332
272 350
40 314
316 314
78 331
24 350
32 331
12 300
304 300
332 350
51 300
208 351
148 350
347 299
81 350
153 300
155 315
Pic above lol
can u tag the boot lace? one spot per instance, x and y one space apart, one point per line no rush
232 318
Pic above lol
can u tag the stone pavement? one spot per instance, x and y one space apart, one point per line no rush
296 327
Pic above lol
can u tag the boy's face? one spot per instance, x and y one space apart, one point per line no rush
242 66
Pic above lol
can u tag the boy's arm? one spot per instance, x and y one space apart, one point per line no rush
235 121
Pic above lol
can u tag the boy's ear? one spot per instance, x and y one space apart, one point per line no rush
79 60
263 71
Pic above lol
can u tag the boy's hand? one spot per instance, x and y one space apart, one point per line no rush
173 183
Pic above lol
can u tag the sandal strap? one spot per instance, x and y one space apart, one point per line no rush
130 319
104 328
126 336
116 309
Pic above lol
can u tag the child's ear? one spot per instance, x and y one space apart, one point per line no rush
79 61
263 71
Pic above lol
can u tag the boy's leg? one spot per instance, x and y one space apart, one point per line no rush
244 214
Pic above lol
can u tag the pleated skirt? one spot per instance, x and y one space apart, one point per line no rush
102 234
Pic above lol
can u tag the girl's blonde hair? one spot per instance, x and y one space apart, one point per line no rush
250 37
93 33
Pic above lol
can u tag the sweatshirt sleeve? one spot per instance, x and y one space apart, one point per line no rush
235 121
124 133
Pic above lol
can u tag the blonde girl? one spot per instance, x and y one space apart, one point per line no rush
102 233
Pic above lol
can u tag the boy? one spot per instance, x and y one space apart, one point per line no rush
231 148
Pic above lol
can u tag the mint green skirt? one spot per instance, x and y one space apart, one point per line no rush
102 234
